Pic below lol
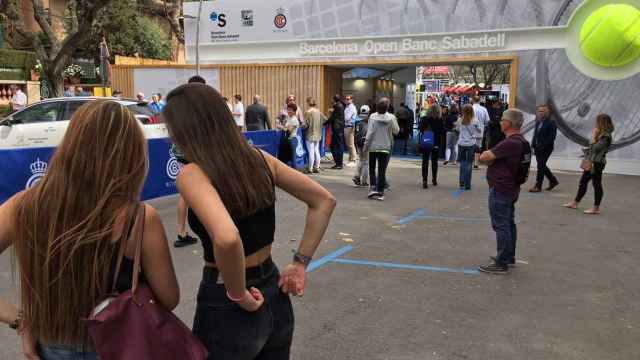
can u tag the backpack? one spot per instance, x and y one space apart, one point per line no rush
525 163
361 133
427 140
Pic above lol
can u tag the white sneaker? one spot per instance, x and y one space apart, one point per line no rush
372 194
379 197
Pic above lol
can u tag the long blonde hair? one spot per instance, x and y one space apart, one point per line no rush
467 114
604 125
64 234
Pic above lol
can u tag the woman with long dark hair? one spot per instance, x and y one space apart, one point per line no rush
432 122
594 162
243 309
69 228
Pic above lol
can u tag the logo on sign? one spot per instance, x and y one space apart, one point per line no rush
280 21
219 18
38 170
173 166
247 17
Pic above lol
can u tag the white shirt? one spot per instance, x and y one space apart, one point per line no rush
482 115
18 100
239 109
292 124
349 113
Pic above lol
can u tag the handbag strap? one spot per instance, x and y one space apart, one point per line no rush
136 229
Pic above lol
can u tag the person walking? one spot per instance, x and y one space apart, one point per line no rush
595 160
431 130
544 138
313 134
70 230
350 120
450 121
482 115
336 119
361 177
238 112
243 307
378 143
509 163
469 129
257 116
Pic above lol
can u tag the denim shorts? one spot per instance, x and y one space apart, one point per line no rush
229 332
62 352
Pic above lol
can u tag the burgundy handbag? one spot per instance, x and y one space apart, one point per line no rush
133 325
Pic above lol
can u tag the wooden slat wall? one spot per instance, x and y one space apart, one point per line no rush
272 82
122 80
332 86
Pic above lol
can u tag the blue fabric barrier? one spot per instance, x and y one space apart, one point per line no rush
23 168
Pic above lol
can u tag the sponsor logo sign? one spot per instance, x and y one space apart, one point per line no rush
247 17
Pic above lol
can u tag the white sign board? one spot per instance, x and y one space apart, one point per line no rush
163 80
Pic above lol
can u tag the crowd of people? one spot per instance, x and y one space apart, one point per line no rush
83 227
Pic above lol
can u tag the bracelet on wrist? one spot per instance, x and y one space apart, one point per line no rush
15 325
300 258
236 299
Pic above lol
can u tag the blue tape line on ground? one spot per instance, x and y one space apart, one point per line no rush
456 218
419 213
406 266
456 194
329 257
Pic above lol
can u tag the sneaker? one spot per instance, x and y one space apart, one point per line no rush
435 182
336 167
373 194
467 187
356 181
364 185
552 186
316 171
445 163
494 268
379 197
511 262
183 241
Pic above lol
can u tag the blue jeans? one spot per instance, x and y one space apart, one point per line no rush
502 210
465 158
293 143
61 352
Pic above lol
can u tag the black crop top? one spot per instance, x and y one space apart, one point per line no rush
256 230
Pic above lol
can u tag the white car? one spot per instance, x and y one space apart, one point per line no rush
44 123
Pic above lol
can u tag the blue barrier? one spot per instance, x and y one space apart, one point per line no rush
23 168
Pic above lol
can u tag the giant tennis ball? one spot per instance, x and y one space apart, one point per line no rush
610 37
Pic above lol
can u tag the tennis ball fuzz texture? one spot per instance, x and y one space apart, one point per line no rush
610 37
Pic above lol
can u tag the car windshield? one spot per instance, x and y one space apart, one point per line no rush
139 109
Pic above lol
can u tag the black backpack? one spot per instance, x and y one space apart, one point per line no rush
525 163
361 133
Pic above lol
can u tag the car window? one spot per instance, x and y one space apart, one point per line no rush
44 112
70 108
143 113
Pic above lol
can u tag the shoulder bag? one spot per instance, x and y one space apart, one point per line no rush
133 325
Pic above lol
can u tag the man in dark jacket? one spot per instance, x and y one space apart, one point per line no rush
336 119
544 138
257 116
493 133
405 117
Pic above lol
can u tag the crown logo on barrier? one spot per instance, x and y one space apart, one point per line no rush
38 167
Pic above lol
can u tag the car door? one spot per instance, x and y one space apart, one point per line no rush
35 126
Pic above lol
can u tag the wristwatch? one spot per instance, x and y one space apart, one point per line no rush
303 259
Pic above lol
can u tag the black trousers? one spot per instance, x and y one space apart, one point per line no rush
542 156
432 155
231 333
594 175
337 146
382 160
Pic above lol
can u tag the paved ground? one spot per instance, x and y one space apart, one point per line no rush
572 295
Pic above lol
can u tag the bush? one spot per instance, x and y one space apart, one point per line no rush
19 64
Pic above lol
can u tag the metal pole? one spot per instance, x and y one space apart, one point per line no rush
198 39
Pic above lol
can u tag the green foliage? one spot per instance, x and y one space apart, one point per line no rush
128 32
16 64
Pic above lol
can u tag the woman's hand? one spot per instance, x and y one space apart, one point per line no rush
292 279
252 300
29 345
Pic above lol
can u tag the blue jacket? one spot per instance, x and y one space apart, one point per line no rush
544 136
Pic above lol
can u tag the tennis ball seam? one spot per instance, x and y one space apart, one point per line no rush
631 43
595 27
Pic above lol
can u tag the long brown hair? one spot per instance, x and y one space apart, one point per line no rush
201 125
604 125
64 235
467 114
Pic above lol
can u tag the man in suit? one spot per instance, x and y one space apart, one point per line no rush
544 138
257 116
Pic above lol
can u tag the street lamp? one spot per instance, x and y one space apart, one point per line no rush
197 34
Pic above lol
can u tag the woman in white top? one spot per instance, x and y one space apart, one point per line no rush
291 125
469 129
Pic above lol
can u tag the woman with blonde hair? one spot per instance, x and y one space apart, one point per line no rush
594 162
68 231
469 129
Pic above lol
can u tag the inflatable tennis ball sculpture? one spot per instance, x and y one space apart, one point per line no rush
610 37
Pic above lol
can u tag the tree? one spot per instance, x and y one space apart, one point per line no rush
54 51
170 10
